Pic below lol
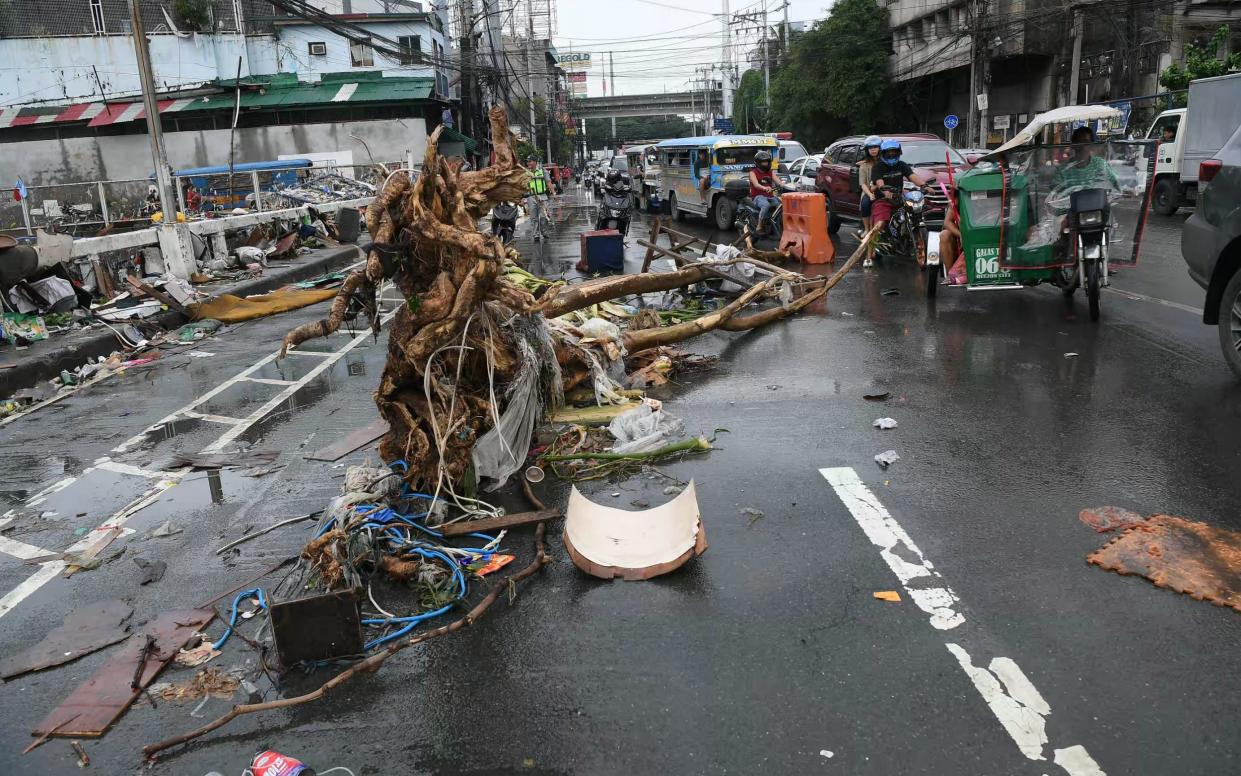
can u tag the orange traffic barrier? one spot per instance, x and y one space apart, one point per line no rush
805 228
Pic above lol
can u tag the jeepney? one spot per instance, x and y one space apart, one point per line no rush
694 170
645 172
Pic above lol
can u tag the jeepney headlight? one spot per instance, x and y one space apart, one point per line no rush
1090 218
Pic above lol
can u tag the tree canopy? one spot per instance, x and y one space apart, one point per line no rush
1201 62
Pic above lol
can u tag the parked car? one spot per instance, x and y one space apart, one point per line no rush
837 175
803 171
791 151
1211 245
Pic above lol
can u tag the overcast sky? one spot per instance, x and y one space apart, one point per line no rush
657 44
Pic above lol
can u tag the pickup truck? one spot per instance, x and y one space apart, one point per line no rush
837 177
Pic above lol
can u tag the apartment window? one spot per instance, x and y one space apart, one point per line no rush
361 54
411 49
96 17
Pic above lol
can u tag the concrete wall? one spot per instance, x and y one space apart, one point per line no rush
293 55
59 69
117 157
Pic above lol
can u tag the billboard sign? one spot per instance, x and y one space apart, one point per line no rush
571 61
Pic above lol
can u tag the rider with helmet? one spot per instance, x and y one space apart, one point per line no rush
763 187
540 187
887 180
866 167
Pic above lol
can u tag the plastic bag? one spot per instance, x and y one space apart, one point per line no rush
645 428
600 329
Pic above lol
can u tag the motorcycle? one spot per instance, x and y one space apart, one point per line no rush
747 211
504 221
615 208
906 229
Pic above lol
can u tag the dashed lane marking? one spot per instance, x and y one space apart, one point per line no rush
1010 695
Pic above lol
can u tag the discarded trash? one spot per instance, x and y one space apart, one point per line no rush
884 424
880 396
1104 519
887 595
534 474
774 387
196 656
644 428
829 754
891 292
317 627
268 529
208 682
496 563
84 630
607 542
83 758
152 570
1070 355
672 490
162 530
229 308
887 458
1197 559
754 514
275 764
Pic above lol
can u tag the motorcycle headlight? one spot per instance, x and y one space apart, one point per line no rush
1090 218
916 206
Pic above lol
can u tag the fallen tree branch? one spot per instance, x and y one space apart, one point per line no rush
370 664
576 297
637 341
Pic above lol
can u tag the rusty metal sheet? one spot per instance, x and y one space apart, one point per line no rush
343 447
83 631
99 701
1199 560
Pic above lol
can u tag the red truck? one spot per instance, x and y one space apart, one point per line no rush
837 178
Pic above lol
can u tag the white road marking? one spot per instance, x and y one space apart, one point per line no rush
1008 692
103 534
1134 295
897 549
227 420
109 465
268 381
21 550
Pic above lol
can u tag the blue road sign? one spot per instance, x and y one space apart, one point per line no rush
951 121
724 125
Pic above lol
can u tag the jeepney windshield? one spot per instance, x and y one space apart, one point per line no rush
741 155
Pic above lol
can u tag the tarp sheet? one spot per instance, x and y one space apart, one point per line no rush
234 309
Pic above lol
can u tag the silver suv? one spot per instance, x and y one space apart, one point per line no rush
1211 245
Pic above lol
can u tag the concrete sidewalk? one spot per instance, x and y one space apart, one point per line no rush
46 359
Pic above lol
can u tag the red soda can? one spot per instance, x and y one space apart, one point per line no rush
275 764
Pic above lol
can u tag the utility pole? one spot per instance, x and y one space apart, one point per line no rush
766 64
534 136
467 65
788 39
726 98
174 245
1075 69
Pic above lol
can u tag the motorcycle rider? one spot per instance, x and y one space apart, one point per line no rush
866 167
617 184
540 189
887 179
763 186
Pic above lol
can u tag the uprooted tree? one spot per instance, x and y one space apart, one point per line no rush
453 351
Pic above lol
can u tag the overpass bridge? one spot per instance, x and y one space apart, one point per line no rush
663 104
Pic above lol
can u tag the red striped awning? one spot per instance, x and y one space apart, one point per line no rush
97 113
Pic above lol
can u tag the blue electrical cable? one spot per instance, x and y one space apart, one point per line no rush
255 592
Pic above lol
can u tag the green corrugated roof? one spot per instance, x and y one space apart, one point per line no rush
452 135
285 91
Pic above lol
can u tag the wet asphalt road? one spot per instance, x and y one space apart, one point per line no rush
769 651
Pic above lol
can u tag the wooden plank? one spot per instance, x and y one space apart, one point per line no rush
650 253
155 293
679 260
100 701
343 447
497 523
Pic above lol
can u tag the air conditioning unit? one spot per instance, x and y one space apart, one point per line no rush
318 49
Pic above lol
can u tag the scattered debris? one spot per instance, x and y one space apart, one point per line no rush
607 542
1104 519
223 460
887 595
878 396
193 657
83 758
99 701
268 529
1197 559
84 630
829 754
1070 355
891 292
884 424
208 682
887 458
672 490
152 570
162 530
754 514
360 438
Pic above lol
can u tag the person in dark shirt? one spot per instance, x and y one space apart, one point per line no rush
887 179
